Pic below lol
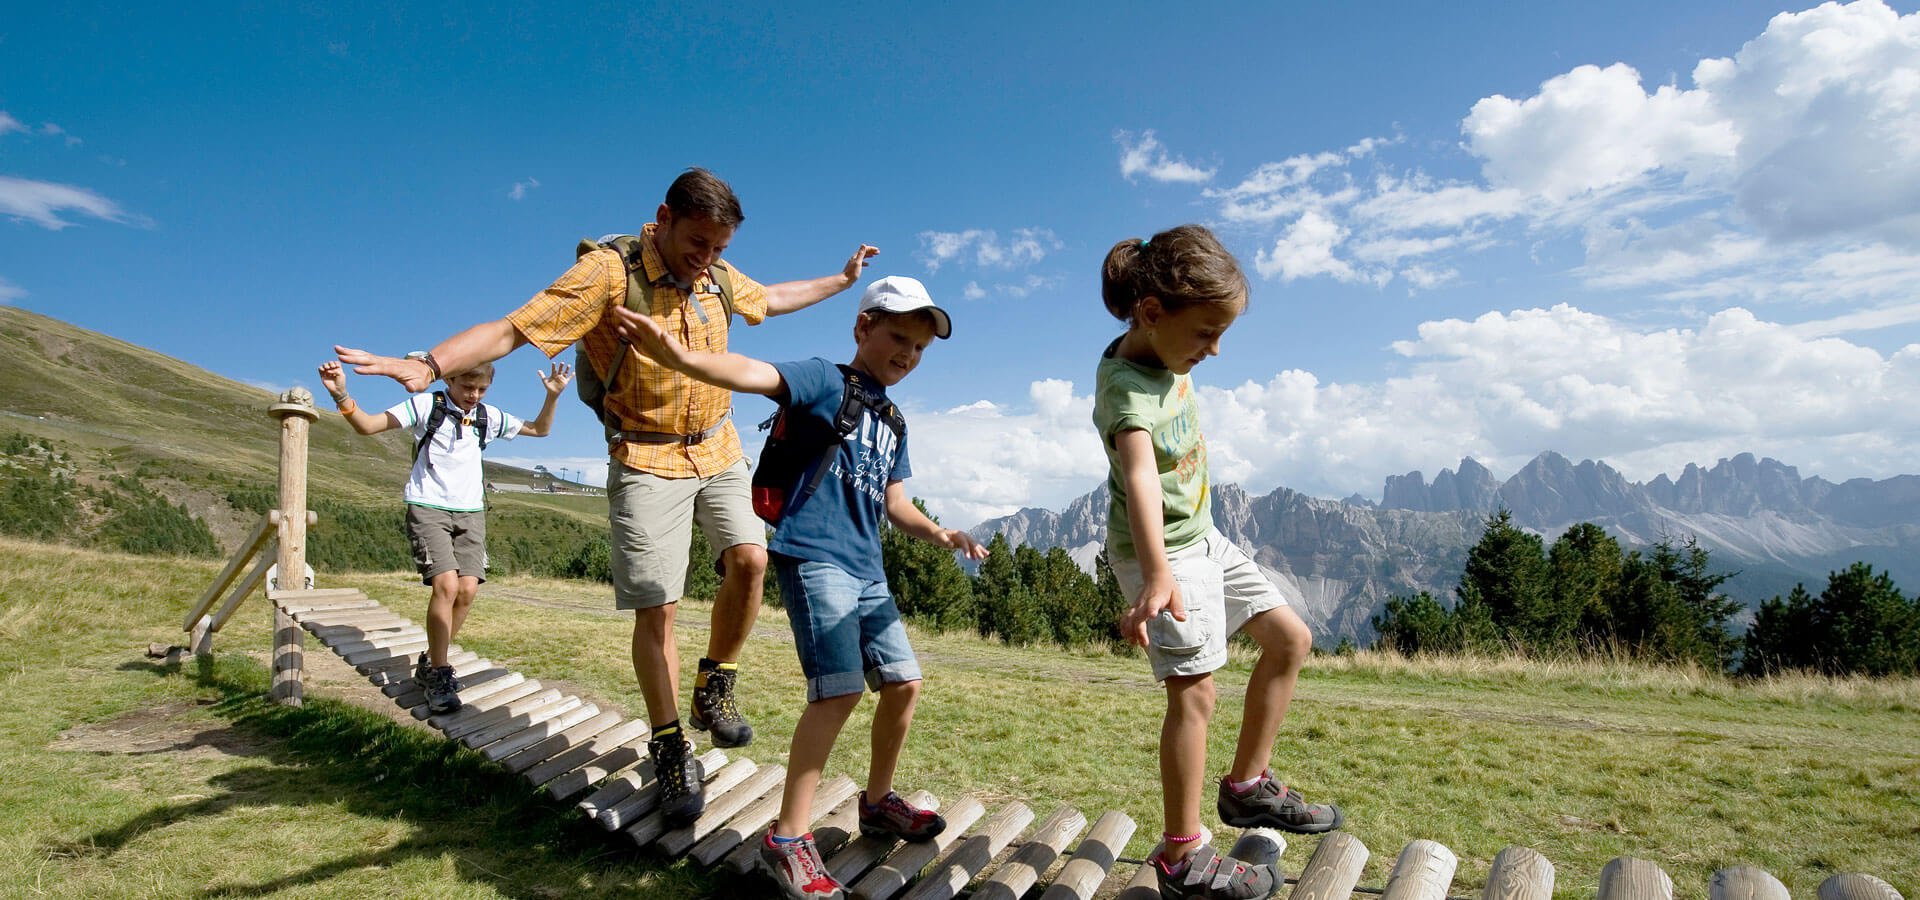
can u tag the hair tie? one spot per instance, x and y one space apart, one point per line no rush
1143 243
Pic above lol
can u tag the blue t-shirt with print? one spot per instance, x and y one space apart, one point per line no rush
840 523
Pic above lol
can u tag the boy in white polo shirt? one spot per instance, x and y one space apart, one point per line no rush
445 495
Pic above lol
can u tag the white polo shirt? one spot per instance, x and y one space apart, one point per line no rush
447 474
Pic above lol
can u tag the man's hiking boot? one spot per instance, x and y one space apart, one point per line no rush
797 868
1209 876
714 710
682 796
1271 804
443 689
894 817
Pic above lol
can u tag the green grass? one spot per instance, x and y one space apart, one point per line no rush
1583 762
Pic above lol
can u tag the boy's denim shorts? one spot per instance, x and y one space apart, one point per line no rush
847 630
1221 588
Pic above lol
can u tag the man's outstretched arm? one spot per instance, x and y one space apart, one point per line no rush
792 296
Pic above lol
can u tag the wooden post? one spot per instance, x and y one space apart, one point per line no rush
295 412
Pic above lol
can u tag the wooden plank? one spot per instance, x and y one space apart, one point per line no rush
1023 870
531 717
360 628
719 809
245 589
1626 878
906 861
1423 871
477 697
861 853
337 614
472 673
1083 874
1519 873
652 826
540 724
1333 869
396 680
578 768
642 793
504 707
282 598
262 532
1745 883
579 732
1857 886
371 658
347 649
960 866
831 828
744 829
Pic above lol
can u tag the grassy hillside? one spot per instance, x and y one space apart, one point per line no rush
126 778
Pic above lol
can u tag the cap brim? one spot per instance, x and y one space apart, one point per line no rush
942 323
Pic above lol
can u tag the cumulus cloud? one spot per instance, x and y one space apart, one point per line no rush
982 247
520 188
1144 156
44 202
1501 388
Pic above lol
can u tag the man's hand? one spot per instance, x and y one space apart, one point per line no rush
859 262
413 374
1152 599
556 382
955 539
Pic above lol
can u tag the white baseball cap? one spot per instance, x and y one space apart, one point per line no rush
900 294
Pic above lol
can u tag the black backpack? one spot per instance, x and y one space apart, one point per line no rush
796 441
441 410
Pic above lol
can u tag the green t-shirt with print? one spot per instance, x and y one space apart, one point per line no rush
1128 396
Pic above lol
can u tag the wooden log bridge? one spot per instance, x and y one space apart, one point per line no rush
573 750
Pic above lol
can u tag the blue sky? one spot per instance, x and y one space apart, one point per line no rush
1647 232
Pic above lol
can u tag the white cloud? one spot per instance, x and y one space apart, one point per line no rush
973 291
1147 157
983 247
1501 388
1305 250
9 123
42 202
10 292
520 188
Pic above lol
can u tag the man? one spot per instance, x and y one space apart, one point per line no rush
675 455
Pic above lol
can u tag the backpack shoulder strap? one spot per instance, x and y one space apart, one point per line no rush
480 423
434 418
723 282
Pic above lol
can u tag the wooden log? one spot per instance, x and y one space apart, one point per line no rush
348 631
1519 873
339 613
579 767
314 596
1857 886
953 874
289 660
372 658
1333 869
642 793
1260 847
1083 874
262 532
1745 883
861 853
396 680
1423 871
571 736
1626 878
473 673
1023 870
245 589
745 828
503 708
201 640
831 828
530 716
539 725
505 689
652 826
1144 885
722 808
349 648
404 664
295 412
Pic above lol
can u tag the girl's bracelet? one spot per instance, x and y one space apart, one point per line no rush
348 407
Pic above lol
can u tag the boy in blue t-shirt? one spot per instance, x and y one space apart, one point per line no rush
826 553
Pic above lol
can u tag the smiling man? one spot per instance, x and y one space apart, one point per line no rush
675 456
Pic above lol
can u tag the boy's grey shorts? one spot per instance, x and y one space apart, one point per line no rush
447 541
1221 588
651 519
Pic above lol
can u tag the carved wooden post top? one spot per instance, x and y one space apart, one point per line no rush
296 402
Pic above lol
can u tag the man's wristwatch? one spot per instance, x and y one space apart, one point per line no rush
426 356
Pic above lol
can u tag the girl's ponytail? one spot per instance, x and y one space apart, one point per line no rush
1180 266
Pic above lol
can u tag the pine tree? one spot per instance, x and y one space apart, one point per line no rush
1506 583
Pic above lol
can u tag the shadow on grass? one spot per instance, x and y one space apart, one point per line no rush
454 803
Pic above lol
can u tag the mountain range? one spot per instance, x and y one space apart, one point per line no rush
1342 559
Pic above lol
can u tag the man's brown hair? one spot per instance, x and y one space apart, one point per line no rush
700 194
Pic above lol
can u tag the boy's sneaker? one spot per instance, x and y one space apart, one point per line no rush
682 796
894 817
1274 805
797 868
420 670
714 710
1209 876
443 689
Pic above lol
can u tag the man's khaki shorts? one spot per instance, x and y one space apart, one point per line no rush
650 516
447 541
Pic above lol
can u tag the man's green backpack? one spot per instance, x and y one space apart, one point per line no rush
591 385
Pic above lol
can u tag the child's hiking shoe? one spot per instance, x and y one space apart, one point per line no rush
797 868
682 796
894 817
714 710
420 670
1206 875
443 689
1271 804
